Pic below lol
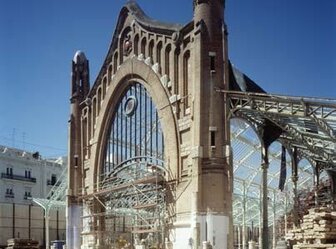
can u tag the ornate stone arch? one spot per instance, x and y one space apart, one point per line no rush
132 70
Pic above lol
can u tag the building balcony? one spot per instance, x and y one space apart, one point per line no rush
7 195
17 177
52 183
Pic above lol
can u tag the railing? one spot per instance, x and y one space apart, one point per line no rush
9 195
52 183
17 177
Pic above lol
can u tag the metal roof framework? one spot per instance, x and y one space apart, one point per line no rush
55 199
309 124
248 173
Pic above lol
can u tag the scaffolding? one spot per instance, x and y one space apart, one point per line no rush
132 203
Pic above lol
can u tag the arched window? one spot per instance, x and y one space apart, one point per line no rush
109 75
115 62
99 100
135 130
186 79
150 49
158 53
136 44
94 110
167 59
176 70
104 86
143 46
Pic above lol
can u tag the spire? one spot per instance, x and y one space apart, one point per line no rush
80 75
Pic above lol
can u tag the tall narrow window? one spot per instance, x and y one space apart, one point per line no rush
212 138
115 62
53 179
158 53
212 61
150 48
94 108
9 171
167 59
143 46
104 87
109 75
186 79
176 71
99 100
136 44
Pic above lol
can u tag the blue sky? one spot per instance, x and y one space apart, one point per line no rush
287 46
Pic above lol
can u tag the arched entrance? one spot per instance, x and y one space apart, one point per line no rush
133 172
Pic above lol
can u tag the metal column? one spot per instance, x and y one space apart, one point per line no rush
244 216
260 217
264 166
274 213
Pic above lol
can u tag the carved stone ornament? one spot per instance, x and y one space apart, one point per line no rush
176 37
127 46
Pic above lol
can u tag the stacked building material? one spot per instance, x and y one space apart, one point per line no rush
318 230
22 244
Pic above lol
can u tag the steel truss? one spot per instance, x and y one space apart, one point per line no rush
133 204
308 123
55 199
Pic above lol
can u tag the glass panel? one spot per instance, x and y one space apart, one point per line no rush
135 131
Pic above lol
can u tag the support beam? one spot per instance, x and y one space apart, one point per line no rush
295 180
47 217
274 218
260 217
295 209
265 166
244 215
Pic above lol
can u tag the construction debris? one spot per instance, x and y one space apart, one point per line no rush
16 243
318 230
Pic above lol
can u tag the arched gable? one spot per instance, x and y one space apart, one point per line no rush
131 70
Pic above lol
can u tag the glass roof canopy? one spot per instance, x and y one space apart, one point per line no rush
246 148
309 124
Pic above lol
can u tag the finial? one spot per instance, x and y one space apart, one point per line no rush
79 57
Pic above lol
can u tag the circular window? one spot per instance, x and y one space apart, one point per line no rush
130 105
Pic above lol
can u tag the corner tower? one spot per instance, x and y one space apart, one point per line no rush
79 89
211 208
